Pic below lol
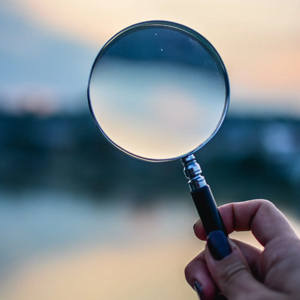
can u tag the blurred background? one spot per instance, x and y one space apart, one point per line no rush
81 220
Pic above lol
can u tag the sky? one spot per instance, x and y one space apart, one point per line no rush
47 47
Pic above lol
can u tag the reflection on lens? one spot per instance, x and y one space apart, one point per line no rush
157 91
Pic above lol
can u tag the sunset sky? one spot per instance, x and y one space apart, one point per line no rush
49 46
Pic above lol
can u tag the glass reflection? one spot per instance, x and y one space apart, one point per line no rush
157 92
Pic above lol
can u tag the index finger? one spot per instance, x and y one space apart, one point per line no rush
260 216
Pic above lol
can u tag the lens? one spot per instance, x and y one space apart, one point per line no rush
158 90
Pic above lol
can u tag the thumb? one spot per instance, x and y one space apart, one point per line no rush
230 270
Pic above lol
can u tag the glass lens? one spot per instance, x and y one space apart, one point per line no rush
158 90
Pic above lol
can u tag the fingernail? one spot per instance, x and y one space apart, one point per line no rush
218 244
198 289
198 222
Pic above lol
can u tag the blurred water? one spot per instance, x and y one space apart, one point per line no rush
61 245
65 190
44 222
62 186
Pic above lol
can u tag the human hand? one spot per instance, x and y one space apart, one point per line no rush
247 272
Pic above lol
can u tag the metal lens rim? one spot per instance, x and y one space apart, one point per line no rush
210 48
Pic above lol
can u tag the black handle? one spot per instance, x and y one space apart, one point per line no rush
207 210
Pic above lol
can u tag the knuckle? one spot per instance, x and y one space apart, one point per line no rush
233 272
266 206
267 203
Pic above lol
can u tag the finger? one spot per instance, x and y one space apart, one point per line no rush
260 216
234 278
199 230
197 271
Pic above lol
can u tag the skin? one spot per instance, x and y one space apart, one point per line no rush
249 273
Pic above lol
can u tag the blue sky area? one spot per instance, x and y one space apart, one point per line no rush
33 59
47 48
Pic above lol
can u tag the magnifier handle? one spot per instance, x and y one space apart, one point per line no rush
207 210
202 196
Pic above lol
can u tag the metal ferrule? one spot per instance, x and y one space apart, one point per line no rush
192 171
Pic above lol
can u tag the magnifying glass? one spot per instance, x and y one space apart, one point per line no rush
159 91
